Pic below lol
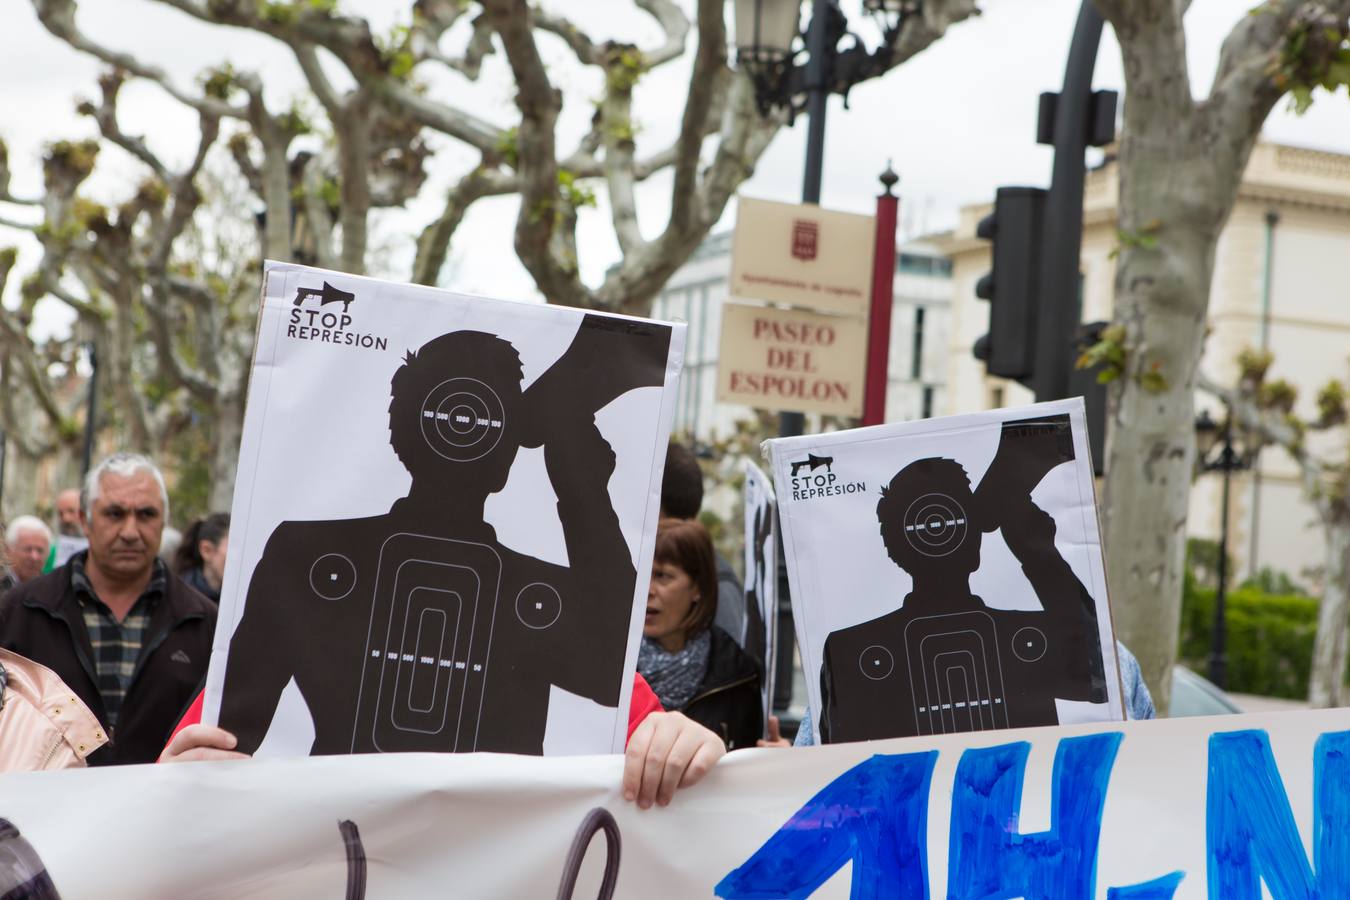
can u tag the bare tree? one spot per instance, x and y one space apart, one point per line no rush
1181 161
118 268
1264 408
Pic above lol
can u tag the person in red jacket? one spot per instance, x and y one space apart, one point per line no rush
665 751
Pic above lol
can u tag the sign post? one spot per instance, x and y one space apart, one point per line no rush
883 285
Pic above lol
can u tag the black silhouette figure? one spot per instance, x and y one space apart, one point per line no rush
416 630
755 636
944 662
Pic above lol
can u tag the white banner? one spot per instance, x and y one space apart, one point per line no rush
1185 808
761 577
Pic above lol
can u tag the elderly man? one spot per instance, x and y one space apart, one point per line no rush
29 541
129 637
70 537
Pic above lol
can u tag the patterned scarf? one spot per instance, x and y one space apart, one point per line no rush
675 677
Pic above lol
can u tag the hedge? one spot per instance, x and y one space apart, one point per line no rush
1270 638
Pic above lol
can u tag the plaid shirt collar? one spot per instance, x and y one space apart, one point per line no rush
84 589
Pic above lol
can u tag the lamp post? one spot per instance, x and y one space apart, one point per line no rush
1210 435
766 37
766 34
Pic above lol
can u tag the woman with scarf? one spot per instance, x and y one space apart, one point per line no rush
692 665
200 560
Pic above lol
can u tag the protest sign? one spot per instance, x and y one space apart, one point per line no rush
441 509
947 574
1165 810
761 577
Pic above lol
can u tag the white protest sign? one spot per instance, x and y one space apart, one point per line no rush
1185 809
947 574
761 577
441 507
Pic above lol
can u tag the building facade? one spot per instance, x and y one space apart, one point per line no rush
1279 284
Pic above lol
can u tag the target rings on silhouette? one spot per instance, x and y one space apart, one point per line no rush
332 576
876 662
935 525
538 606
462 419
1029 644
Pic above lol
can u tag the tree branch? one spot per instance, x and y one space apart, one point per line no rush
353 142
349 39
1153 48
537 164
105 115
586 50
317 215
1245 89
709 64
1273 430
674 23
434 243
58 16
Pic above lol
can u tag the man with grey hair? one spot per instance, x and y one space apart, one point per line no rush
124 633
29 541
70 537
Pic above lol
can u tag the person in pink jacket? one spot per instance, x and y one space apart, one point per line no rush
43 725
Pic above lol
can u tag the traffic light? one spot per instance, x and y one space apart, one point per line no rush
1012 287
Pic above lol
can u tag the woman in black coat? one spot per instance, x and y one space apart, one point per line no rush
692 665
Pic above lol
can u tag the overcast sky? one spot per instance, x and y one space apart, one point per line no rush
957 121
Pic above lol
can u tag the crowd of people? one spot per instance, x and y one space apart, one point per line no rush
106 635
105 643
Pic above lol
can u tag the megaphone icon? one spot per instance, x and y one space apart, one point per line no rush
327 294
814 462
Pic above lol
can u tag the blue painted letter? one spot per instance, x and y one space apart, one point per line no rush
1251 833
875 814
990 859
1158 889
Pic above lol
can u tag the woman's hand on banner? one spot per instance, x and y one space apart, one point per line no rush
201 742
667 751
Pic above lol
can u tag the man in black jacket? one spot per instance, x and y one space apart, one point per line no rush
130 638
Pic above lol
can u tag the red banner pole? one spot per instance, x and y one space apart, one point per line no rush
879 321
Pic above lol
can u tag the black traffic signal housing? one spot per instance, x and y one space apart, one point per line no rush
1012 286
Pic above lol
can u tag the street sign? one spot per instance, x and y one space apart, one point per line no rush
802 255
794 360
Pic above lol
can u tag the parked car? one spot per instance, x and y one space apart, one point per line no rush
1193 695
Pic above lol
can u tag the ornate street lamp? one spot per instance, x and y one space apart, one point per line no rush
766 31
1226 459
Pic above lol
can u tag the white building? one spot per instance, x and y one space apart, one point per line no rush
917 369
1279 284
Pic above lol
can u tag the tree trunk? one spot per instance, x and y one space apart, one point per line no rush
1175 198
21 482
1326 681
224 465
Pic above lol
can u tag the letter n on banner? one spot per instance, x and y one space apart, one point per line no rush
1251 833
875 815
